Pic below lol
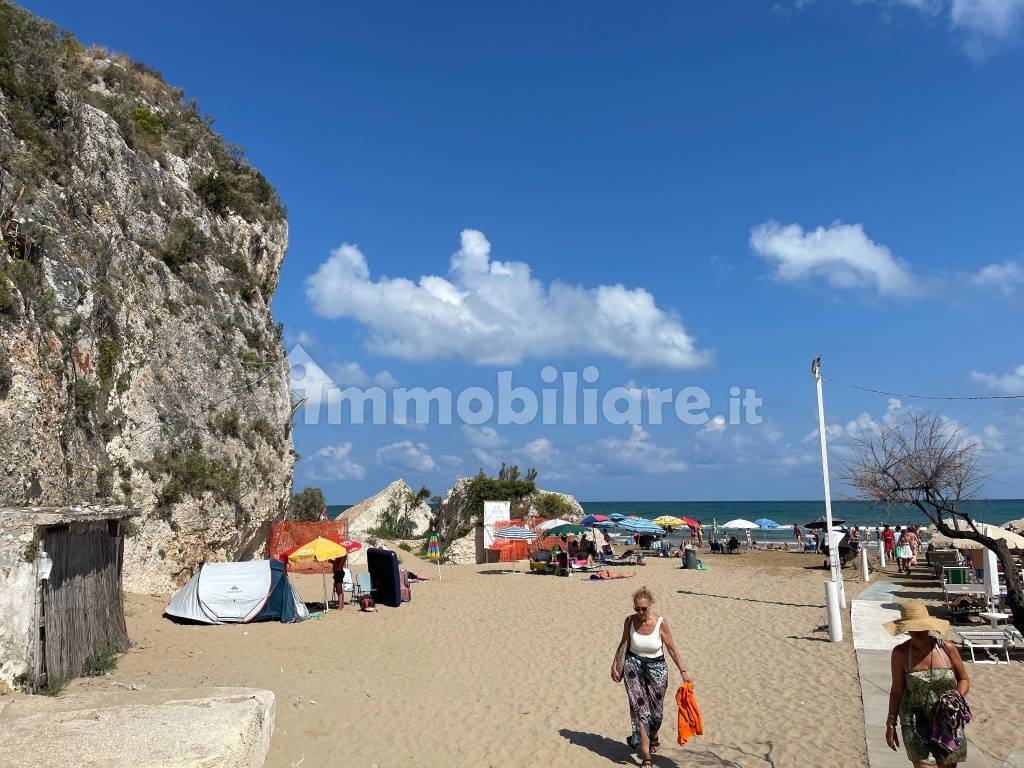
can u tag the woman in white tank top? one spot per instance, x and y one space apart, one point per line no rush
640 663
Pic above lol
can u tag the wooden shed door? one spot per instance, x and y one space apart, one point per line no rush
83 611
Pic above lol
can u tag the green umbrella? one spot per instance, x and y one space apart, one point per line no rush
565 530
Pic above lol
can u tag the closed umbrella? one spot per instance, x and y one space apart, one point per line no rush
434 552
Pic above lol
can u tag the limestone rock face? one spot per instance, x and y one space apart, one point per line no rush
139 360
195 728
365 516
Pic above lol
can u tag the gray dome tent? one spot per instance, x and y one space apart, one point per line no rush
237 593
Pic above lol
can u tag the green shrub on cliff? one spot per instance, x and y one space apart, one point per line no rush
46 76
191 473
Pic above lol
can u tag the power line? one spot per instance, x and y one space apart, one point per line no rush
923 397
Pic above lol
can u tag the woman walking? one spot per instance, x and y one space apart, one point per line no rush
929 683
905 551
640 662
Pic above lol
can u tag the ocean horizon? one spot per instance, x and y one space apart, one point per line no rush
786 513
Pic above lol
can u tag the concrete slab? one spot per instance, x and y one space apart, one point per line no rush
187 728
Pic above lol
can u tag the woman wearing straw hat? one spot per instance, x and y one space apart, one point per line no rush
923 669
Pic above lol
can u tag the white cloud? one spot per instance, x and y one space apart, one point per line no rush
841 254
488 459
333 462
986 23
1011 383
353 375
495 313
407 455
483 437
717 424
1006 277
540 450
302 338
637 453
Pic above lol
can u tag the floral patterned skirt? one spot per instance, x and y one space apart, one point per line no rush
646 681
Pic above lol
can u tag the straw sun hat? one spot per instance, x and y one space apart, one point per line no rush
914 618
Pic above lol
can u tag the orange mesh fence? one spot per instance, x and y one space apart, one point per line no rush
293 533
508 550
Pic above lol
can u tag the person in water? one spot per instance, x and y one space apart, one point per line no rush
639 662
923 669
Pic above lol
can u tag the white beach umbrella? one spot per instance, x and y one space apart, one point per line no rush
549 524
739 524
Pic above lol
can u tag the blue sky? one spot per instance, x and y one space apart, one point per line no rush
705 194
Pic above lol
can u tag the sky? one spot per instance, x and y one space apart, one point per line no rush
669 195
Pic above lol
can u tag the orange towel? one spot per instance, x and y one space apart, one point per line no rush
690 722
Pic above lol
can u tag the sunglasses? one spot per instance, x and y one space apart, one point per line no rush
639 609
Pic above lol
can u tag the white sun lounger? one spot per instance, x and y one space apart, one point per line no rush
995 639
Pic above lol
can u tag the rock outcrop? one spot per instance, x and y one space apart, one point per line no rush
468 548
139 360
364 517
194 728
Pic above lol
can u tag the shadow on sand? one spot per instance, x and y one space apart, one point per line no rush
748 599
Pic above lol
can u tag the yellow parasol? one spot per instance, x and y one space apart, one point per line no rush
667 521
320 550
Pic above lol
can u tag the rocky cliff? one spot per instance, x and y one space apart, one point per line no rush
139 361
365 517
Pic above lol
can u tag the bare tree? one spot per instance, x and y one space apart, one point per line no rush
923 461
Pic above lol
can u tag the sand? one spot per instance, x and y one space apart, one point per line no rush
495 669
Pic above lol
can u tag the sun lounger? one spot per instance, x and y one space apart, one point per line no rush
989 639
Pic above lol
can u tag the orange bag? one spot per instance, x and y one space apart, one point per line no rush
690 722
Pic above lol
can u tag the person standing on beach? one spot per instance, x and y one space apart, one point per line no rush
888 541
925 670
639 662
905 550
799 534
338 566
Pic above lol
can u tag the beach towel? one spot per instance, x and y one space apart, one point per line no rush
690 722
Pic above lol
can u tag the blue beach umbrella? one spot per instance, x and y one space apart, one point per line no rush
765 523
616 517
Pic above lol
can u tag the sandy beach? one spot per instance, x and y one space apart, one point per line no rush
498 669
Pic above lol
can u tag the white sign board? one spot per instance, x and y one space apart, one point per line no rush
494 511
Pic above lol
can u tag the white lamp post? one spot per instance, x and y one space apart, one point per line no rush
833 549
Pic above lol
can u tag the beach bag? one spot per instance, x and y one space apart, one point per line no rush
404 586
366 603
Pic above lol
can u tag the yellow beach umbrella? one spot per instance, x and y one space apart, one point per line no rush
321 550
666 521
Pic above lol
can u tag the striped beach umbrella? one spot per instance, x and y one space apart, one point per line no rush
434 553
515 533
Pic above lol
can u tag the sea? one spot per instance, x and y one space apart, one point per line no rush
786 513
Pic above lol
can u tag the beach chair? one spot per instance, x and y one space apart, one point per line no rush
989 639
363 586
